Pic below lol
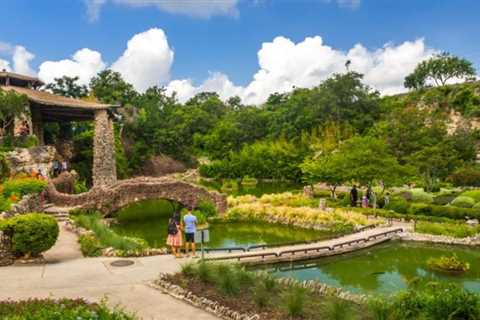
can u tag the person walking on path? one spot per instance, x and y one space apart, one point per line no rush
174 238
354 196
190 222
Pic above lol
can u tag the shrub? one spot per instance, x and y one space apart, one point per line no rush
204 272
90 246
227 280
463 202
443 199
448 264
32 233
23 186
418 195
38 309
469 176
474 194
457 230
261 295
399 205
338 309
207 208
5 203
188 269
80 187
248 181
421 209
294 300
379 309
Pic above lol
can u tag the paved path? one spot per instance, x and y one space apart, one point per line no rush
69 275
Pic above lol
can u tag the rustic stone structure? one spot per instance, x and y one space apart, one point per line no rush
46 107
104 167
36 158
111 198
6 256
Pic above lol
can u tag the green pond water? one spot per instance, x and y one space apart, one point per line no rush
149 219
261 188
383 269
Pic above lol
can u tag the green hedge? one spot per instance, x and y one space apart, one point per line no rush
463 202
31 233
474 194
23 186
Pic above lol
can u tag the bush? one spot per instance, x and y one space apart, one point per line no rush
443 199
474 194
5 203
457 230
39 309
399 205
418 195
207 208
31 233
448 264
261 295
463 202
90 246
23 186
421 209
227 280
469 176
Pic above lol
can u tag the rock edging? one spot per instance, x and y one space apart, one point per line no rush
208 305
424 237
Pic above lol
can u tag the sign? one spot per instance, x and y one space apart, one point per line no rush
204 233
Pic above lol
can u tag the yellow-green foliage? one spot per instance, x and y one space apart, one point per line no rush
448 264
457 230
273 208
276 199
23 186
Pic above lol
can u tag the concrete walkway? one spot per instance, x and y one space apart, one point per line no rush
67 274
95 278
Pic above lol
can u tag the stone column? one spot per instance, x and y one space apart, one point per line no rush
37 125
104 166
6 256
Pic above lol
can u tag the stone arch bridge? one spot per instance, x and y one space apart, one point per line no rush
109 199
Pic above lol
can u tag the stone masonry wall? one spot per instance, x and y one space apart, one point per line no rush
6 256
104 167
110 199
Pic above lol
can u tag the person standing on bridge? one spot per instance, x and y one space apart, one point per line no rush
190 222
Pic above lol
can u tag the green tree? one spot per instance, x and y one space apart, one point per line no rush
327 169
12 105
109 87
67 87
439 69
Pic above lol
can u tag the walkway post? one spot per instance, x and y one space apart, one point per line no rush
104 165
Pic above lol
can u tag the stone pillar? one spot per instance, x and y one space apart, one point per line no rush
37 125
6 256
104 166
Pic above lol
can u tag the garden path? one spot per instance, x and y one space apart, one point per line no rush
67 275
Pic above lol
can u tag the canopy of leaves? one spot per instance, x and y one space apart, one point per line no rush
68 87
11 105
439 69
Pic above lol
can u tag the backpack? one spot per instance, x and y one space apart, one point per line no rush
172 227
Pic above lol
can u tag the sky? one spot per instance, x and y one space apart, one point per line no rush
249 48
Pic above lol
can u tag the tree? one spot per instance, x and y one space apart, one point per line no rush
327 169
12 105
440 68
68 87
109 87
367 160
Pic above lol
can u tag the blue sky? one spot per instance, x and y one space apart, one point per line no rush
228 41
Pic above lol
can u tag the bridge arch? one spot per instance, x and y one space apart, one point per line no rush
109 199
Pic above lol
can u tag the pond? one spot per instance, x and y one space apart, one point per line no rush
261 188
383 269
149 219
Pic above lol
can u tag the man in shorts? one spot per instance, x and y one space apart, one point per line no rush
190 222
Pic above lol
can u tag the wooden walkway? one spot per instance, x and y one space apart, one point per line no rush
348 243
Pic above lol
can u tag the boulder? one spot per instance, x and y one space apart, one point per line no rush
28 159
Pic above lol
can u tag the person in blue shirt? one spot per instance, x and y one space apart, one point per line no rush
190 223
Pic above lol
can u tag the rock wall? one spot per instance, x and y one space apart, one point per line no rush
109 199
38 158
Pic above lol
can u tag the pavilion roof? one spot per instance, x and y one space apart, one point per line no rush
22 77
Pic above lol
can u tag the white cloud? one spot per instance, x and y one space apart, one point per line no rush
193 8
5 48
85 64
4 65
285 65
21 61
147 60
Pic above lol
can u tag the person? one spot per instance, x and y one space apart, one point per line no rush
174 238
64 166
373 199
369 192
354 196
365 201
56 167
190 222
386 200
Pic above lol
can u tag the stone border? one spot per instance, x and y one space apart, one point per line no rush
205 304
438 239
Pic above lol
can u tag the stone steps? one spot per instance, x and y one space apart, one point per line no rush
59 213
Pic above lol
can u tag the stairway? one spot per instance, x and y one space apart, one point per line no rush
59 213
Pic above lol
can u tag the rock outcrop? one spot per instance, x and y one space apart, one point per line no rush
28 159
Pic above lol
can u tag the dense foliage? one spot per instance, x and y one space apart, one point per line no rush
31 233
